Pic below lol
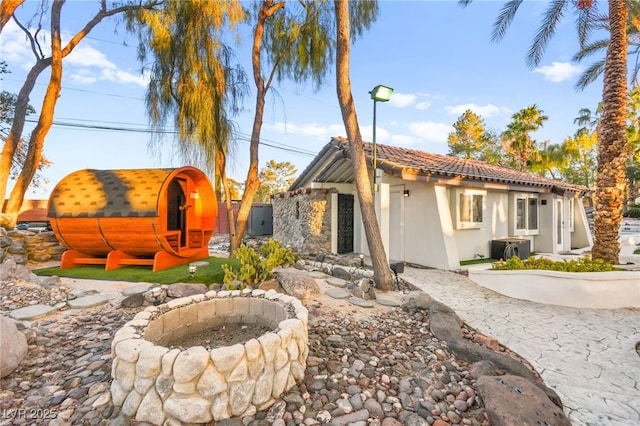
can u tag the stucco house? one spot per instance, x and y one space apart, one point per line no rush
433 210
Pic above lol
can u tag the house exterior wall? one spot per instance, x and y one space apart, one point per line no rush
423 227
302 220
477 241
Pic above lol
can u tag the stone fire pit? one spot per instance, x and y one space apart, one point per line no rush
154 382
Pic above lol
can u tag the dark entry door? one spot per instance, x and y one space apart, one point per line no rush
176 212
345 223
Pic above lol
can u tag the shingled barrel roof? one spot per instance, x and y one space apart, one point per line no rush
333 164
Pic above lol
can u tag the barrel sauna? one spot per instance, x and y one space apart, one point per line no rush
158 217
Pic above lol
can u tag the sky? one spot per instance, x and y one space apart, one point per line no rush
437 56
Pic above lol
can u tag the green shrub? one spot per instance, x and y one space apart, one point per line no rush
585 264
255 268
633 212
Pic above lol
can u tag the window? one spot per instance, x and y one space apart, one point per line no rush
470 209
572 219
526 214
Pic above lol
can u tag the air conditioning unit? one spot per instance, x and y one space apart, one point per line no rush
506 248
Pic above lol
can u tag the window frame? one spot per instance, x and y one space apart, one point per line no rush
459 205
521 225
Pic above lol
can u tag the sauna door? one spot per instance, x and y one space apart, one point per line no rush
176 209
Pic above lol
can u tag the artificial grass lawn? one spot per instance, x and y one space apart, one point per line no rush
478 261
212 273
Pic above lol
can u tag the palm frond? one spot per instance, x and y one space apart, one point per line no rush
547 29
592 48
590 75
588 21
504 19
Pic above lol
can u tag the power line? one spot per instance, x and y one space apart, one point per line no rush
238 135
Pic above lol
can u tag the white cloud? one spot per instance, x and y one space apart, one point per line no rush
558 72
382 135
83 76
87 56
431 131
14 47
404 140
423 105
402 100
121 76
84 65
309 129
487 110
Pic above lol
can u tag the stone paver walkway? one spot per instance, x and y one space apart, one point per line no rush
587 355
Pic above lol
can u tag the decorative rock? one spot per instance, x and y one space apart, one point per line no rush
270 285
317 274
298 284
361 302
339 272
357 416
133 301
136 289
190 363
190 409
184 290
13 346
513 400
337 282
387 302
29 313
88 301
364 289
416 300
338 293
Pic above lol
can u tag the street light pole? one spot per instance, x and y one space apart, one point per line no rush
378 94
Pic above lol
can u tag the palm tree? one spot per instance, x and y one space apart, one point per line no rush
612 147
518 134
599 47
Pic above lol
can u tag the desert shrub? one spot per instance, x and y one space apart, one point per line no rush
584 264
256 268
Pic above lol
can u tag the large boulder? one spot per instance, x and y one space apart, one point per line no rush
298 284
13 346
513 400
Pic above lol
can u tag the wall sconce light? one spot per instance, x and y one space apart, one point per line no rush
192 270
361 260
406 192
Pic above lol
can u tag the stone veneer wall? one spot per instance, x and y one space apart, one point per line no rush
22 246
302 219
158 385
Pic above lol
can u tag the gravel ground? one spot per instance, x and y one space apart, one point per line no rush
375 366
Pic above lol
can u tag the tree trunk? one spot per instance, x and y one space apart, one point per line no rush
36 141
267 9
7 7
382 273
611 180
221 165
17 127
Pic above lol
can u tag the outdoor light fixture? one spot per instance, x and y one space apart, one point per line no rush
192 270
397 268
405 193
361 260
379 93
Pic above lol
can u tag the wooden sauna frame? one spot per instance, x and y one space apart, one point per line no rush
156 217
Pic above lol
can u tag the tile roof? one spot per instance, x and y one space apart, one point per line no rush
403 162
